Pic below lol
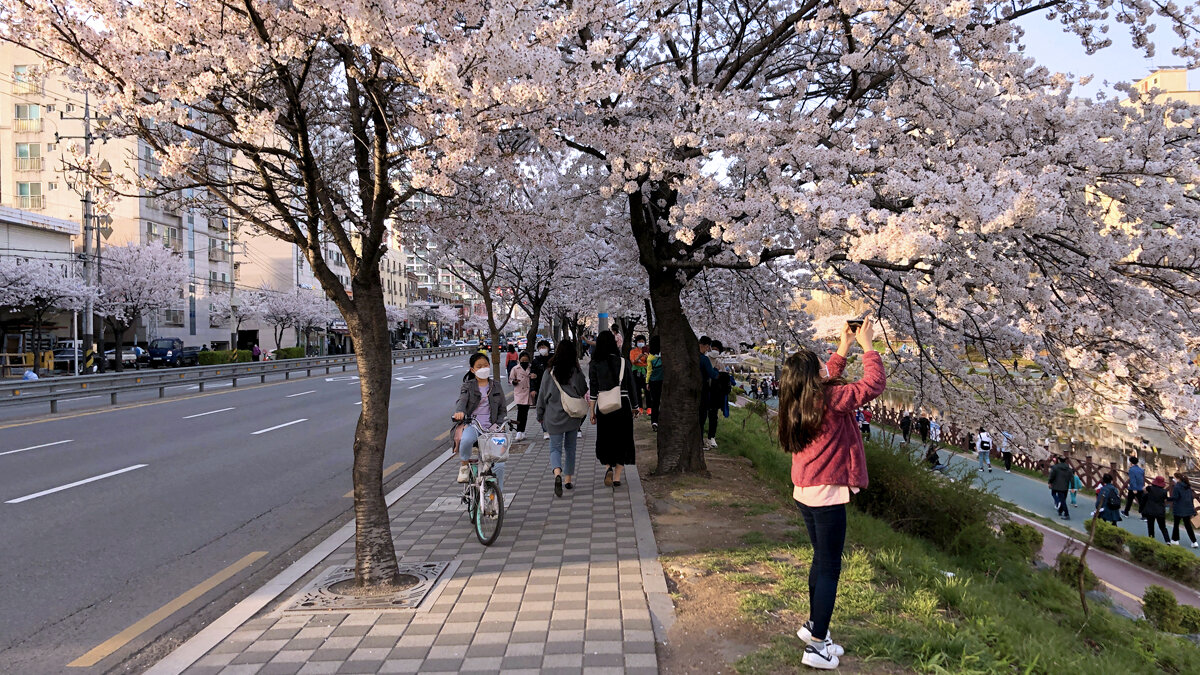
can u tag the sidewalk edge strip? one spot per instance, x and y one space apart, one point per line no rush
199 644
654 581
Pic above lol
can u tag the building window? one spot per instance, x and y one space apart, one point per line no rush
29 196
49 147
29 157
24 81
27 117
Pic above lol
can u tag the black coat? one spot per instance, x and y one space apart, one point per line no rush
1183 501
1060 476
1155 502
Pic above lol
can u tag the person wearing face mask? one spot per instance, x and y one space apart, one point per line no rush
482 398
518 377
537 372
639 357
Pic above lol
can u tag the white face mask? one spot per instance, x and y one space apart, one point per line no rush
641 344
483 373
543 351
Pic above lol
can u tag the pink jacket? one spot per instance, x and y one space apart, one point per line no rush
518 377
836 456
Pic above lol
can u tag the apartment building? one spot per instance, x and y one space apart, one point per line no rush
40 119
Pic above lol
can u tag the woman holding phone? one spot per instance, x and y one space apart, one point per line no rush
817 425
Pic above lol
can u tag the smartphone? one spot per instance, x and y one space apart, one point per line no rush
855 324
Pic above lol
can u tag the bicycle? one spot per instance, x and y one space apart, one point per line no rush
483 488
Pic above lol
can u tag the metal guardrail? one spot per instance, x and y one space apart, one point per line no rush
55 389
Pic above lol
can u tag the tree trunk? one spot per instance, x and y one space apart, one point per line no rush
494 332
649 317
118 337
278 332
534 321
680 448
375 554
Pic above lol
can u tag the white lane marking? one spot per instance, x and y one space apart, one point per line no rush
77 483
33 447
310 391
405 378
403 367
417 385
210 412
359 403
279 426
449 376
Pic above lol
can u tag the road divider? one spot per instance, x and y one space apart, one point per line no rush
279 426
310 391
386 472
77 483
34 447
210 412
106 648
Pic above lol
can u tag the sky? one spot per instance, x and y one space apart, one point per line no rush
1046 42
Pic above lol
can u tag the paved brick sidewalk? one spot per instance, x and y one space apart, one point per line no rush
561 591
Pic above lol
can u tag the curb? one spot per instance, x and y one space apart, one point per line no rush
654 581
199 644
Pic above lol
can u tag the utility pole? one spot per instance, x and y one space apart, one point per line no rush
92 329
233 332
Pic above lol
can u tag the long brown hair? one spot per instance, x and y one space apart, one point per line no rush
801 401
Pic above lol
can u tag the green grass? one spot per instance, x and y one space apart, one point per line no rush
993 613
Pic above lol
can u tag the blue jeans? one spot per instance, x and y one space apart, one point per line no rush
561 444
985 459
469 436
826 527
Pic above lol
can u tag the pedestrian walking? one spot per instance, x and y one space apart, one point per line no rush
1061 480
537 371
639 357
1137 486
708 375
1154 508
561 409
1076 486
609 373
718 395
906 425
935 430
983 448
511 359
1006 440
523 396
255 352
1108 500
1183 507
654 379
817 425
923 428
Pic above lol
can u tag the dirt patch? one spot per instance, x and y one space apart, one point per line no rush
720 538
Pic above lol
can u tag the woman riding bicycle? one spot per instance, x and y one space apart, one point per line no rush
481 398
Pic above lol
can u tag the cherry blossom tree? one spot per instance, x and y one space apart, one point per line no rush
908 154
313 123
137 281
236 310
39 287
280 311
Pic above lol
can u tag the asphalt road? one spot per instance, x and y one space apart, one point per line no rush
122 510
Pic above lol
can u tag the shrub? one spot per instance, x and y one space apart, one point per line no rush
1108 536
1176 563
1161 608
217 358
917 501
1067 567
1189 619
289 353
1026 538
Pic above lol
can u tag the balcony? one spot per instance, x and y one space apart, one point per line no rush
31 202
172 317
29 164
24 85
216 286
28 125
218 255
218 224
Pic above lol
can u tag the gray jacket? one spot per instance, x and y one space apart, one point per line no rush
468 399
549 403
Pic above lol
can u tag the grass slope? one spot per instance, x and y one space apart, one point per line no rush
904 601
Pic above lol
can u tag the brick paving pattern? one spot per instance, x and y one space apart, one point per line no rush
560 591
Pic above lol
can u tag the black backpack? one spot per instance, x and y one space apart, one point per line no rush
985 445
1112 500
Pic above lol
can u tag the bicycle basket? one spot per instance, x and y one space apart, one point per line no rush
493 447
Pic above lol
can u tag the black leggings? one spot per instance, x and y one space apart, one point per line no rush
655 394
1187 523
522 417
1132 496
1007 461
713 413
1162 525
826 527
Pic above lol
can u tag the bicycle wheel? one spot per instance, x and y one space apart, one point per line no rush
490 514
471 499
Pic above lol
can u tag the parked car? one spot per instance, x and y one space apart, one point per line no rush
128 358
171 352
65 358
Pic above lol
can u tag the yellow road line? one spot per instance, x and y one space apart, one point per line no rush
386 472
1122 591
123 638
444 435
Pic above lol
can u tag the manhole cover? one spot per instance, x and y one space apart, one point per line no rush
328 592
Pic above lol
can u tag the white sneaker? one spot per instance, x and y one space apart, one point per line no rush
580 435
1173 543
820 658
546 436
805 633
1195 545
712 442
464 473
520 436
